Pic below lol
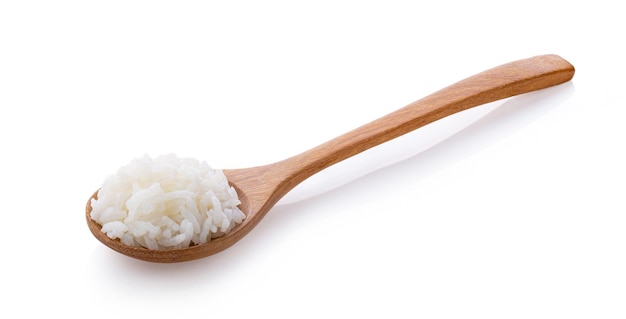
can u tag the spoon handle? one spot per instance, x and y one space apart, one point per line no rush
504 81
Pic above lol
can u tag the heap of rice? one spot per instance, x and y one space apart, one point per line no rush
166 203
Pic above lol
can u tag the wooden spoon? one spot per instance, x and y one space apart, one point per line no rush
259 188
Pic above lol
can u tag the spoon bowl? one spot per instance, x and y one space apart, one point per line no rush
259 188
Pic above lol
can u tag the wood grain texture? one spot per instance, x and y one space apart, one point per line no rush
261 187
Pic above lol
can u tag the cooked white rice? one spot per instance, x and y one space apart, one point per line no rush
166 203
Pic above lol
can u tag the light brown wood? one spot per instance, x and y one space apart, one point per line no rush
259 188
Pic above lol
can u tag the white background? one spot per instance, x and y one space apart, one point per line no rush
511 210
